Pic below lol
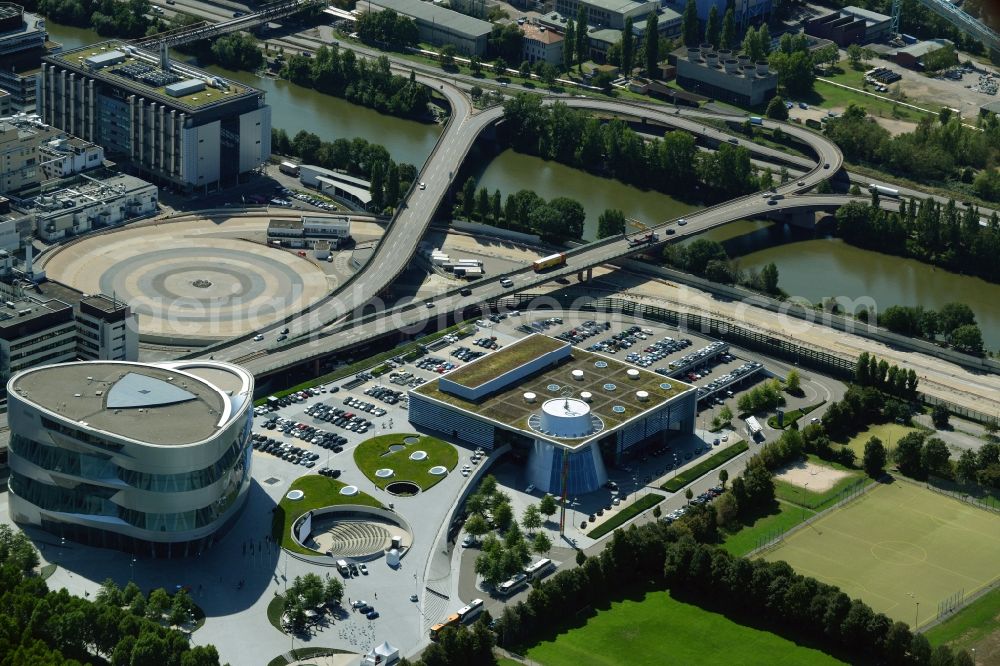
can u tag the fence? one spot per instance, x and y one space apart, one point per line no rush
987 503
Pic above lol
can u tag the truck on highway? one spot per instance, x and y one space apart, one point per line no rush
756 120
550 261
644 239
883 190
289 168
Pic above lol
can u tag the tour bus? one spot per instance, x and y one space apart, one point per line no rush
509 587
550 261
451 621
290 168
539 569
470 612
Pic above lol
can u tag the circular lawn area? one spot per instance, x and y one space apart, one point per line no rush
394 452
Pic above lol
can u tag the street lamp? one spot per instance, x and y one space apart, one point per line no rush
132 567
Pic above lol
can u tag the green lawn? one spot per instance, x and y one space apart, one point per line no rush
662 630
793 416
374 454
717 459
320 491
626 514
889 433
751 536
897 546
971 626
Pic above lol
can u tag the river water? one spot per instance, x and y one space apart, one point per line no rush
810 267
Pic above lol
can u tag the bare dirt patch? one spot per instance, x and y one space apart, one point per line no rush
816 478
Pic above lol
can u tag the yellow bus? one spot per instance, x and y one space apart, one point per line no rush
451 621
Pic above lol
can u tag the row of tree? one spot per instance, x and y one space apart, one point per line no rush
108 17
357 157
358 80
892 379
709 259
309 592
769 595
928 231
936 151
556 220
672 165
123 627
955 322
387 29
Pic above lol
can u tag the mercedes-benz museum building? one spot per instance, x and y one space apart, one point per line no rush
149 458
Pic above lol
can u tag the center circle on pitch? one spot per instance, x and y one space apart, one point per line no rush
902 553
201 283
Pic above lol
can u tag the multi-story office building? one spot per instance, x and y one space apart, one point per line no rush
35 333
172 123
90 204
32 152
23 42
541 43
153 459
106 329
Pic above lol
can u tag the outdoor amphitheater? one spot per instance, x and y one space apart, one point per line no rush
195 278
359 538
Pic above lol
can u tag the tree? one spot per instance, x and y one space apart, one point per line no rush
499 66
611 223
495 206
238 50
524 71
392 185
652 45
908 455
966 467
572 217
582 38
854 55
541 544
688 494
793 382
713 29
729 29
569 40
547 506
448 56
967 338
628 49
725 415
953 315
333 590
723 477
468 198
476 526
727 510
503 516
776 108
939 416
532 518
769 278
690 24
157 604
874 458
482 204
475 65
934 458
377 187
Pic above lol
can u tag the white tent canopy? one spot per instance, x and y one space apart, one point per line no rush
381 654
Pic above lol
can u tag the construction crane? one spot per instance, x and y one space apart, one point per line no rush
955 16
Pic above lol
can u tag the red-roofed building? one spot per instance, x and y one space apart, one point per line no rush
543 44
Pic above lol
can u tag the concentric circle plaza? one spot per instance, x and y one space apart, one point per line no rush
194 279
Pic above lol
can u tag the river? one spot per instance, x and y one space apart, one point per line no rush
810 267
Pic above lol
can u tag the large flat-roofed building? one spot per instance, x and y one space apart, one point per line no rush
35 332
32 152
171 122
438 25
850 25
565 407
89 204
106 329
608 13
309 230
153 459
726 76
336 184
912 56
23 42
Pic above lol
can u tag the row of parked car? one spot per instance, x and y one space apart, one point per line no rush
539 326
658 351
340 418
436 364
626 339
284 450
301 196
406 379
587 329
386 395
466 354
362 406
728 378
703 498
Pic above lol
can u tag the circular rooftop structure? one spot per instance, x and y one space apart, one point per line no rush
295 495
418 455
384 473
568 418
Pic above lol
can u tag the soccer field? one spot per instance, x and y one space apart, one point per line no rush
898 546
661 630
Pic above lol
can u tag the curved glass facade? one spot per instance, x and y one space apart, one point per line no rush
159 496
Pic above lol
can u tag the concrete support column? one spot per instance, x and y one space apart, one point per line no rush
43 78
62 96
92 112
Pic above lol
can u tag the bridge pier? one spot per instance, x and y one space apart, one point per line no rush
585 276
